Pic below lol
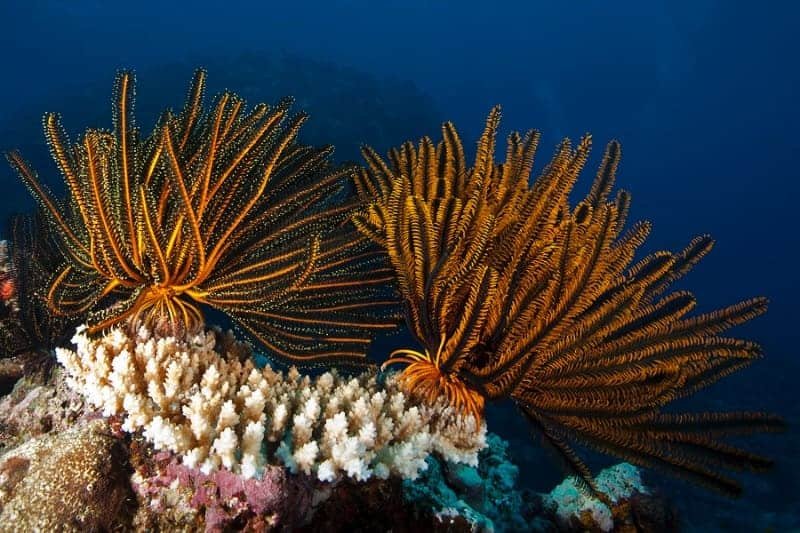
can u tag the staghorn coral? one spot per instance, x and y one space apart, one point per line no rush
512 292
200 396
221 208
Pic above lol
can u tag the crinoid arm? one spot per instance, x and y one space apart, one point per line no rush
219 207
32 327
514 293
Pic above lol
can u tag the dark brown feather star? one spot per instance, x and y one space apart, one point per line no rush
222 208
31 328
512 292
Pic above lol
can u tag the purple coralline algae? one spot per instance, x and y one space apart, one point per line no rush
171 494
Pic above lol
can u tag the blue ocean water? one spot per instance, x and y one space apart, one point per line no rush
701 94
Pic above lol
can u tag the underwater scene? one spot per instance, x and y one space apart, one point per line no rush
399 266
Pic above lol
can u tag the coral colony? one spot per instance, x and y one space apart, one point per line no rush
508 290
215 409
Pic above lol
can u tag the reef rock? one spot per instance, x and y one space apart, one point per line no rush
71 481
35 408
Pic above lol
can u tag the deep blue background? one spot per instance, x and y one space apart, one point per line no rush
702 94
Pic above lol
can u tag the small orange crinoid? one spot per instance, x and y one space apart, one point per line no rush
424 378
7 287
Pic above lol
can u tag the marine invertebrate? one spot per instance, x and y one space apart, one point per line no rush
8 306
513 292
31 327
574 509
221 208
484 495
201 397
8 290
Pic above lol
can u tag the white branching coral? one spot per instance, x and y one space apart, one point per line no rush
203 398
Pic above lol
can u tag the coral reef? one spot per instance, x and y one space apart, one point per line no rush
485 495
71 481
202 397
172 495
628 505
514 293
509 290
35 408
574 508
